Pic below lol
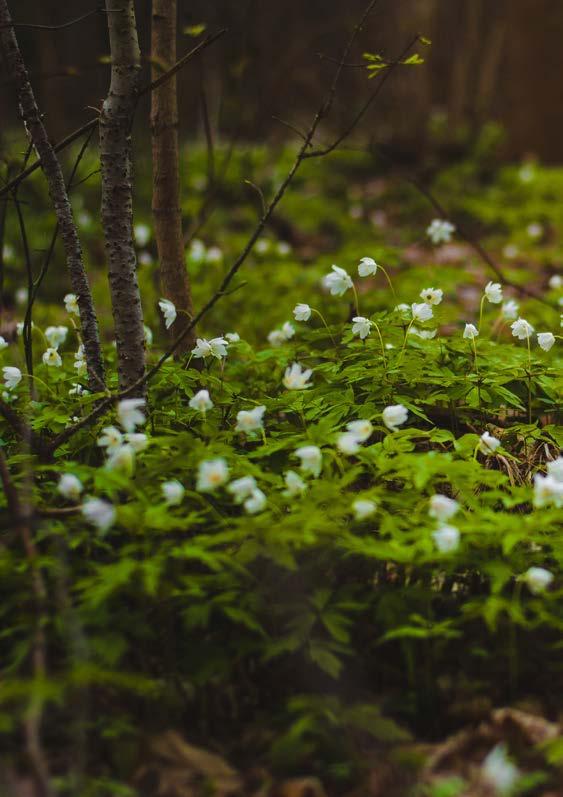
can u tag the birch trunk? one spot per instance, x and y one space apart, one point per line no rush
117 191
59 197
165 169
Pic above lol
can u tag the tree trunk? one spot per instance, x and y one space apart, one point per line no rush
59 196
117 191
165 171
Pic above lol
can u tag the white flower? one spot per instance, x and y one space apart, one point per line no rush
148 335
262 246
442 507
555 469
168 310
446 538
546 340
144 258
111 438
510 251
510 310
538 579
172 492
276 338
493 292
12 376
425 334
242 488
521 329
70 486
547 490
337 282
137 440
432 295
302 312
288 330
232 337
129 413
250 420
367 267
394 416
488 443
534 230
99 513
361 430
311 459
212 473
421 312
201 401
499 771
121 458
403 310
440 231
56 335
202 348
71 304
78 390
470 332
22 296
8 253
294 484
197 251
295 378
348 444
363 508
256 502
3 344
19 327
214 255
556 282
80 360
283 248
218 347
361 326
142 234
52 358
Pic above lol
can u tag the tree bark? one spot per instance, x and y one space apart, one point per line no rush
59 196
117 190
165 169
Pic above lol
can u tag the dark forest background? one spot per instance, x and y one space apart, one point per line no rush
489 59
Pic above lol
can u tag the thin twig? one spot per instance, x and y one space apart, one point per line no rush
76 134
31 26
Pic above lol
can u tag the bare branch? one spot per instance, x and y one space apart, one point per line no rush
63 26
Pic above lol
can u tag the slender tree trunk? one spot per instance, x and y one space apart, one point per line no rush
59 196
117 190
165 171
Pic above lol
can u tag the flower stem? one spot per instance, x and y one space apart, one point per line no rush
388 278
321 316
401 353
356 299
381 342
481 311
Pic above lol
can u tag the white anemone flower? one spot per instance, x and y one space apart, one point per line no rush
521 329
538 579
367 267
168 310
361 326
446 538
202 348
276 338
3 343
56 335
71 304
12 376
99 513
488 444
256 502
556 282
137 440
52 358
70 486
535 230
348 444
218 347
302 312
80 360
432 295
421 312
338 281
173 492
555 469
288 330
295 378
442 508
129 413
425 334
110 439
470 332
363 508
548 490
242 488
294 484
201 401
211 474
142 234
362 429
311 459
395 415
493 292
250 420
121 459
440 231
232 337
546 340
